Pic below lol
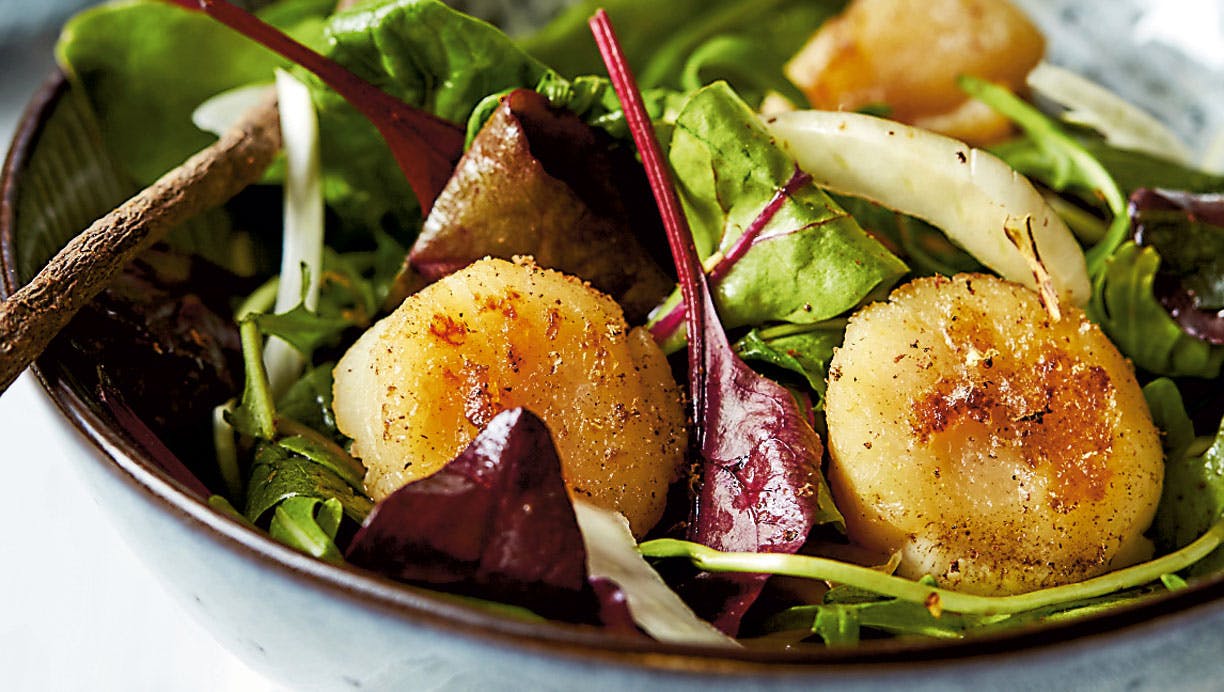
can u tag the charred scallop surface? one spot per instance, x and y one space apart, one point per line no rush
1000 451
418 386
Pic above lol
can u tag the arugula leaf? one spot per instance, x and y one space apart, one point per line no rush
426 54
802 349
130 59
839 619
255 416
925 592
839 624
309 400
1131 170
1164 400
309 524
777 248
1193 497
328 455
278 475
1125 307
1059 161
304 329
594 100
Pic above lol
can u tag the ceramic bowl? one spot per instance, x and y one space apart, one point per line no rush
317 626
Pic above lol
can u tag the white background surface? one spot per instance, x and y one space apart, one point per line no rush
78 611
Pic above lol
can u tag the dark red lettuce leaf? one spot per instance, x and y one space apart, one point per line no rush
759 457
494 523
1188 230
142 435
538 181
165 333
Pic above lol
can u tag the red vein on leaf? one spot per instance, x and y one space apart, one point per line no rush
693 287
669 324
425 146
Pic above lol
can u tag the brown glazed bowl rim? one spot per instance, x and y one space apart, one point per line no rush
131 465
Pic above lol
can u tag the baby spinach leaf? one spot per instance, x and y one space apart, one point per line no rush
309 524
1124 305
777 248
426 54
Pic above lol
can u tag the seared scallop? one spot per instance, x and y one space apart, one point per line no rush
417 387
906 55
997 449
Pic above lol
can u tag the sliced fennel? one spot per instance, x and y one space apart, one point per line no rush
219 113
612 554
969 194
302 254
807 566
1121 123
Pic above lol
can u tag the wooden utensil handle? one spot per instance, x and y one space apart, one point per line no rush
34 314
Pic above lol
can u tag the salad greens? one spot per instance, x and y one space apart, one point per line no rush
770 264
776 248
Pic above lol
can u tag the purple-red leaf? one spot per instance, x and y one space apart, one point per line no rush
495 523
425 146
539 181
1187 229
760 457
131 423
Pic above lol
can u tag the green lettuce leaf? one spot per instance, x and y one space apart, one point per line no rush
145 66
810 261
1125 307
1193 495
